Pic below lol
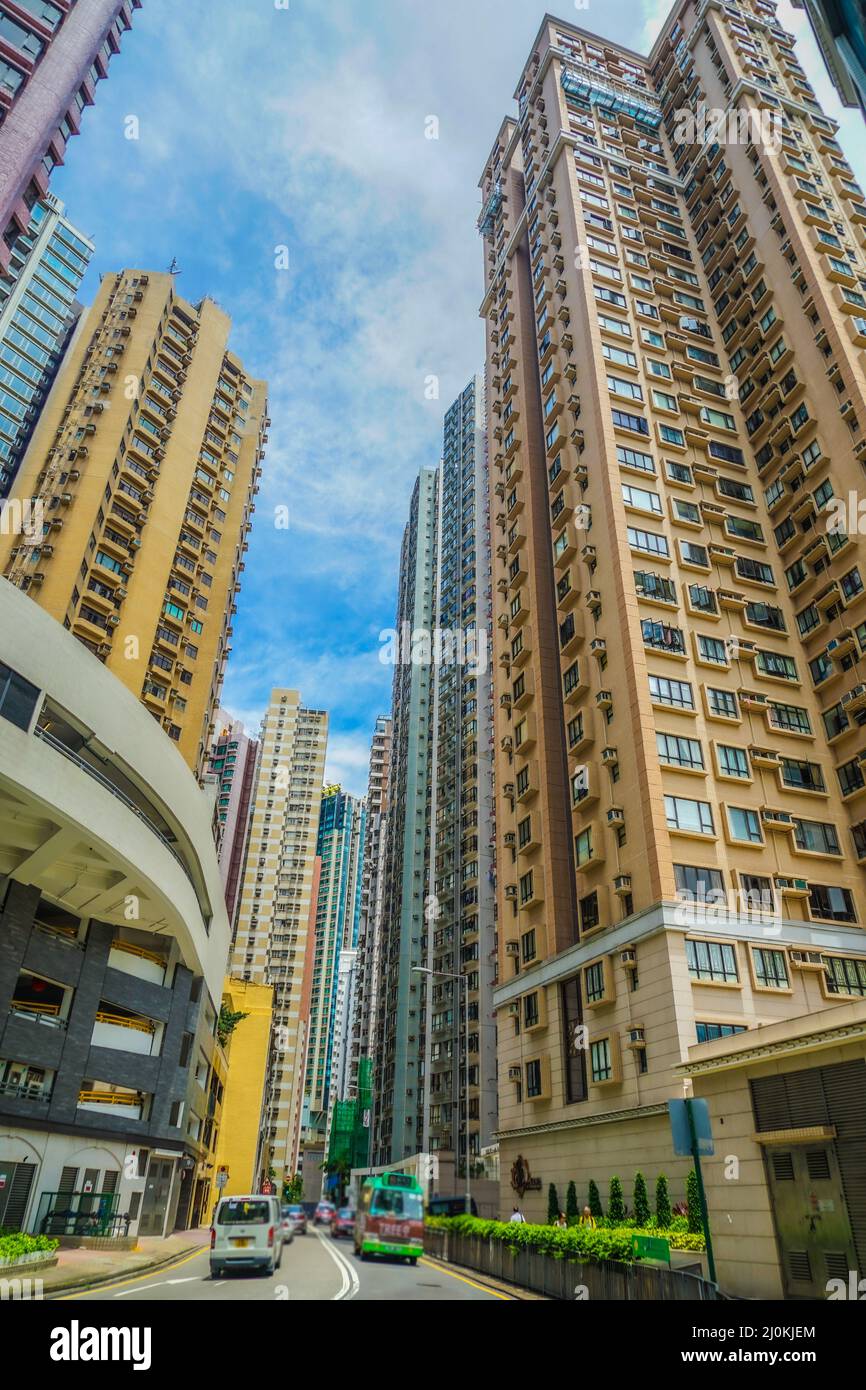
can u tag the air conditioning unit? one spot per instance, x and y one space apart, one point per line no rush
622 884
508 788
509 838
604 699
506 743
513 1073
793 887
514 1008
772 815
807 960
616 816
636 1038
854 698
628 958
511 891
512 947
609 756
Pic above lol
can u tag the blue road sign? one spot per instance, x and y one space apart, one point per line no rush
680 1126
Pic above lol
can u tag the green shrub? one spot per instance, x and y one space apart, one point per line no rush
595 1201
615 1202
571 1208
18 1243
663 1203
693 1201
552 1205
641 1201
577 1243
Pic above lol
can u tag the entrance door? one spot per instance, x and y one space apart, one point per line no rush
157 1192
811 1215
16 1179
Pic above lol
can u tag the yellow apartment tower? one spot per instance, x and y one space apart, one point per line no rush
277 903
138 486
676 323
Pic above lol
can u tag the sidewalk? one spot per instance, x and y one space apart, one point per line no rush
78 1269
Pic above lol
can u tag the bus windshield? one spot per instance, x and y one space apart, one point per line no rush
392 1201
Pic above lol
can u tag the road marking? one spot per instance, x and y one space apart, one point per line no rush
350 1283
440 1269
100 1289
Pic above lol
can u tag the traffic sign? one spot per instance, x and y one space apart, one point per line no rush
679 1116
651 1248
222 1177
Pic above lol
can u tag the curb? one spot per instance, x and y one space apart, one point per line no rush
95 1282
496 1286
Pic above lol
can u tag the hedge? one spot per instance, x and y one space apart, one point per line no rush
12 1246
577 1243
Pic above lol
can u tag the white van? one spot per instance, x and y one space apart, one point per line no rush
247 1233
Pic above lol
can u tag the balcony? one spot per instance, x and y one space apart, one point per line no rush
122 1104
125 1032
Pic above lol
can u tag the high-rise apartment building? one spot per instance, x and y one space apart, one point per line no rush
145 461
232 764
840 30
461 926
52 55
366 976
399 1020
38 311
340 847
277 902
433 1084
676 317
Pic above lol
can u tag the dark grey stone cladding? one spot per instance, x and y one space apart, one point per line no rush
68 1051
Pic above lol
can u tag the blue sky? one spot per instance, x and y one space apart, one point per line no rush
304 127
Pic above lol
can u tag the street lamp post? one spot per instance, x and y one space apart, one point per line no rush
464 980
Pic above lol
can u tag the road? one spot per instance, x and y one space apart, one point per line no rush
314 1268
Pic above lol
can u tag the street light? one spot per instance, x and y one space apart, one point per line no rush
446 975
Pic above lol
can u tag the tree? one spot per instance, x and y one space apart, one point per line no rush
615 1202
228 1022
552 1205
595 1200
293 1188
663 1202
571 1208
641 1200
693 1202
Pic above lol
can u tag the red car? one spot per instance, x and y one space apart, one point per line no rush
343 1223
324 1213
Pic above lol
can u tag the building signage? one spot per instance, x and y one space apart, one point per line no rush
521 1179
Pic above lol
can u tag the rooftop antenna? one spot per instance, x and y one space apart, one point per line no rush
173 268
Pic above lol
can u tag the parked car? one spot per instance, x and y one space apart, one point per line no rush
324 1212
298 1218
247 1233
343 1223
287 1224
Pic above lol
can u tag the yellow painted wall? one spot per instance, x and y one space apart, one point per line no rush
247 1051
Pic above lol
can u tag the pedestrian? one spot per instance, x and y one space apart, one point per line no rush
561 1223
517 1215
587 1219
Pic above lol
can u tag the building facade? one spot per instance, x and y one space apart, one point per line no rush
460 935
372 883
399 1020
232 765
839 27
53 55
38 311
240 1149
675 324
340 848
145 461
114 937
273 931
